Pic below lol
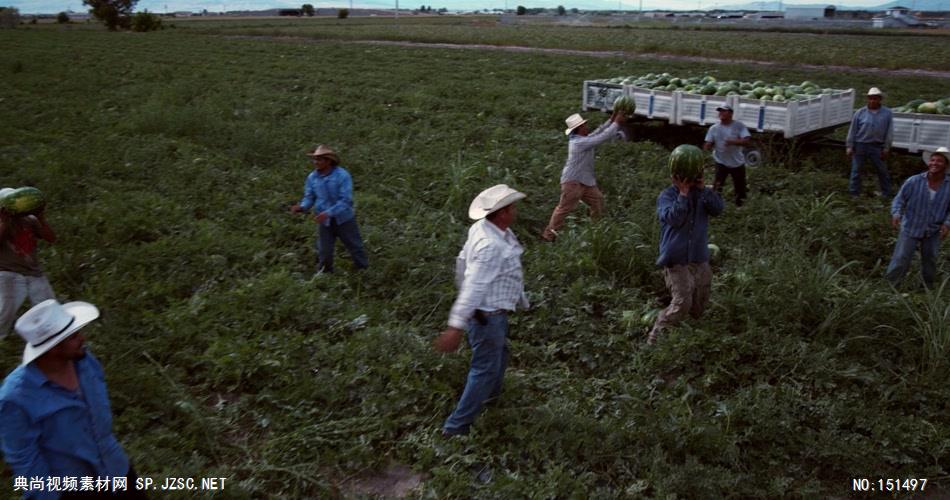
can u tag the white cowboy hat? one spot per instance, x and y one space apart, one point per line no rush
322 150
942 150
48 323
493 199
573 121
875 91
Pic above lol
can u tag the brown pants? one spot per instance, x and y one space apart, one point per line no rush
689 286
571 193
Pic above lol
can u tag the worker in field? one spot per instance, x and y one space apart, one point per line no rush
489 277
869 138
578 182
684 210
21 275
328 191
727 139
55 416
921 212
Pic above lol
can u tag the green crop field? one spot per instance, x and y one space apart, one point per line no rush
170 160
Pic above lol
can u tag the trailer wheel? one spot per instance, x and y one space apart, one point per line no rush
753 157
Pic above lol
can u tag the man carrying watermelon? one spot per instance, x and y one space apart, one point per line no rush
869 138
921 212
329 192
22 224
577 178
684 210
726 139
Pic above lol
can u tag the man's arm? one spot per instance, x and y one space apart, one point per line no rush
849 142
672 207
309 198
900 203
889 136
42 227
599 136
712 201
21 447
480 271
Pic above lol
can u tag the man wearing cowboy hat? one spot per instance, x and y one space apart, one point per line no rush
55 417
491 284
577 178
329 192
869 138
921 211
21 275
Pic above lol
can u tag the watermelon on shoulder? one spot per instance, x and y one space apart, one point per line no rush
687 162
24 200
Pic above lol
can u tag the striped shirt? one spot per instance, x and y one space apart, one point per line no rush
921 216
488 273
580 154
871 127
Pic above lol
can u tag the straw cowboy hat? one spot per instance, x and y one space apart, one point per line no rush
875 91
322 150
573 121
942 150
492 200
48 323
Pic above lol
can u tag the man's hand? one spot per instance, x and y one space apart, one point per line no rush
849 152
618 117
449 340
896 222
320 217
681 185
944 231
295 209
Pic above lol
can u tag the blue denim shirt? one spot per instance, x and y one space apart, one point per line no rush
919 216
875 128
331 193
684 223
47 430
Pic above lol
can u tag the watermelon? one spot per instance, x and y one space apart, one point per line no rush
687 161
625 105
927 107
24 200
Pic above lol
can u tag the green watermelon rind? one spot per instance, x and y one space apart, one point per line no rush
687 161
23 200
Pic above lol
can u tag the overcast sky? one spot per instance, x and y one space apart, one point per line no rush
53 6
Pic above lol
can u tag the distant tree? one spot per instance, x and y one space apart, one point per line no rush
9 17
443 10
521 10
114 14
146 21
343 13
560 10
574 10
307 9
62 18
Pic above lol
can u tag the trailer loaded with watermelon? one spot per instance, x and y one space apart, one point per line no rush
803 112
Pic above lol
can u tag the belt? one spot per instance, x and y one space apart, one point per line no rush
496 312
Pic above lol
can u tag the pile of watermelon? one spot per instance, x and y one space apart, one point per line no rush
708 85
20 201
937 107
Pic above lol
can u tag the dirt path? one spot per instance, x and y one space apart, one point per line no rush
630 55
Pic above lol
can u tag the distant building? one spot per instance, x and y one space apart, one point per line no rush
899 17
765 15
810 13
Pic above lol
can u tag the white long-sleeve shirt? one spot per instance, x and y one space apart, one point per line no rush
488 273
579 166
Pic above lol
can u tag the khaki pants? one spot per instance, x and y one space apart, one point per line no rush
571 193
689 285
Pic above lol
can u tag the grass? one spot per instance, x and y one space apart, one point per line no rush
859 49
225 357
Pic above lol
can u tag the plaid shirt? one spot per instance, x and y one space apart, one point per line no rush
919 215
487 273
580 154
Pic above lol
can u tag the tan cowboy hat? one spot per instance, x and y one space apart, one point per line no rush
573 121
322 150
942 150
48 323
492 200
875 91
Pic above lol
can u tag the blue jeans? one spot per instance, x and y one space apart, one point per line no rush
489 360
348 233
868 151
904 253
